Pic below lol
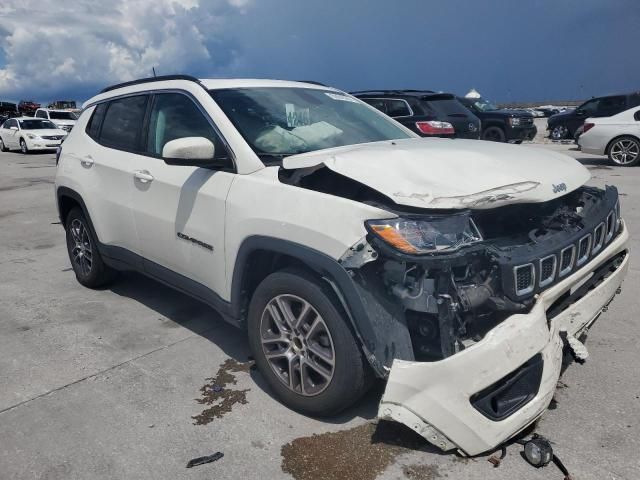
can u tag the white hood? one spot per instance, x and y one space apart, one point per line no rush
46 132
445 173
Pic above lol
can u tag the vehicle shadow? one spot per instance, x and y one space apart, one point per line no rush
204 321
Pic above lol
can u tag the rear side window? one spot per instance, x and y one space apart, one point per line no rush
174 116
378 103
122 123
637 116
613 105
93 127
397 108
41 114
446 106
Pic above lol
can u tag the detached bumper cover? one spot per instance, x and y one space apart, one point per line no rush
435 398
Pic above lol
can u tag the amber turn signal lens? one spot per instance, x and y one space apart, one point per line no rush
393 238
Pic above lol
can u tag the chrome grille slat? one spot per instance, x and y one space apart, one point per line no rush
547 270
584 249
525 276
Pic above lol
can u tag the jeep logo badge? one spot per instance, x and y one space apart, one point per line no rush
561 187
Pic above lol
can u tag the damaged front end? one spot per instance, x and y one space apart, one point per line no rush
472 308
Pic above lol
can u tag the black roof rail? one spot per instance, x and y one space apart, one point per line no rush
391 92
313 82
161 78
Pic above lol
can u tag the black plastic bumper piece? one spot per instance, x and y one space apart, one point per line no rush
509 394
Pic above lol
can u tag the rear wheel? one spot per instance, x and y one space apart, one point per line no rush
86 261
23 146
302 344
494 134
3 147
625 151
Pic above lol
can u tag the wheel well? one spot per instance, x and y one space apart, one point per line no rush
261 263
65 204
618 138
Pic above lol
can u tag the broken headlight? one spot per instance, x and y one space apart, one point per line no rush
427 234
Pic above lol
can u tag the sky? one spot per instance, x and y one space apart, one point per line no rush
509 50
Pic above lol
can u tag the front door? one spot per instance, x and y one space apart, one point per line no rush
179 211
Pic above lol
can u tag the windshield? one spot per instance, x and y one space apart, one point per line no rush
36 124
485 106
63 115
278 121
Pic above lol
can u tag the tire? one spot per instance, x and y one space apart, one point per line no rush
559 132
3 147
85 259
494 134
350 376
624 151
23 147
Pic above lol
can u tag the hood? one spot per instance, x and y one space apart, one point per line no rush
561 115
64 122
47 132
452 174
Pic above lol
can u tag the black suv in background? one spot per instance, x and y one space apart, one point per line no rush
567 124
427 113
500 125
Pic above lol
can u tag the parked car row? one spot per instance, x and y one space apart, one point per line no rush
433 114
568 124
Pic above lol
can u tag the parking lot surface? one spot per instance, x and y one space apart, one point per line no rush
134 380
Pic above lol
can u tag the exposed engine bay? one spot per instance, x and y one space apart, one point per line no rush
449 301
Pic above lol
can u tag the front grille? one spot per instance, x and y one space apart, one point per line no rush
547 270
539 273
525 278
52 137
526 121
67 127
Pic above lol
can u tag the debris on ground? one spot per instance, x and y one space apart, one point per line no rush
202 460
362 452
217 393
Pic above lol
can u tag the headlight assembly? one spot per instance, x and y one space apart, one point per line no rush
514 121
31 136
427 234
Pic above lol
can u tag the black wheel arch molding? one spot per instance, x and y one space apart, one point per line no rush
382 333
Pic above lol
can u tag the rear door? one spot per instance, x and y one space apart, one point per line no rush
10 136
103 164
180 210
447 108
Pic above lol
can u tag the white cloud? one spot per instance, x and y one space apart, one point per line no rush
51 45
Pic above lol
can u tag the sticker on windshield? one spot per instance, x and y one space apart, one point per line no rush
296 117
343 98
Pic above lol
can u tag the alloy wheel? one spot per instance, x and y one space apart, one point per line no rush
81 252
624 151
297 344
559 132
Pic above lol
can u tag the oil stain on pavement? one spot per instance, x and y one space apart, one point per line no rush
362 453
217 394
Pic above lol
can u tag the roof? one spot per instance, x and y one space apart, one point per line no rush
173 81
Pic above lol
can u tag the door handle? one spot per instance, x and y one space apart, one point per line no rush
143 175
87 161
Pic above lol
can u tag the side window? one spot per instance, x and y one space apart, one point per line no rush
41 114
397 108
590 107
636 116
378 103
93 127
612 105
122 123
174 116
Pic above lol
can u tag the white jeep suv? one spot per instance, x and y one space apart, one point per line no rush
347 247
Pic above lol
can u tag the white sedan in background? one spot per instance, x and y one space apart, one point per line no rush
617 136
27 134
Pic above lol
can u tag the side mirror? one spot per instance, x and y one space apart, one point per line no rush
191 151
580 112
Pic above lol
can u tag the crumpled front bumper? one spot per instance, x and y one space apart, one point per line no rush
433 398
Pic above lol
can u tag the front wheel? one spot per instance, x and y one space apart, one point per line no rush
23 146
494 134
303 346
3 147
625 152
559 132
